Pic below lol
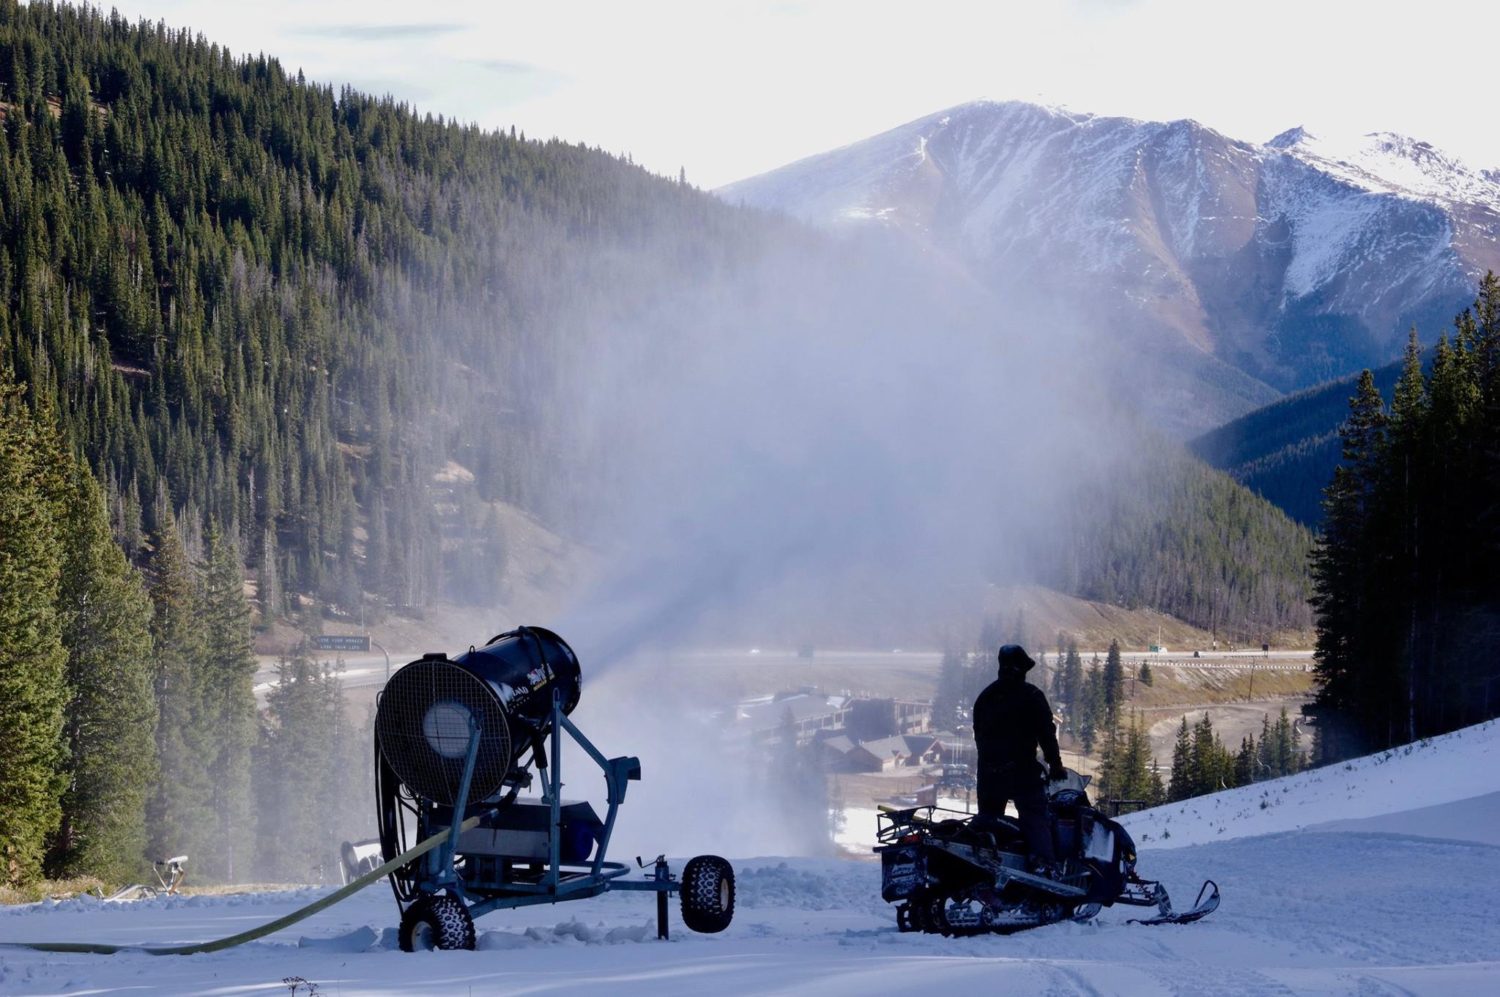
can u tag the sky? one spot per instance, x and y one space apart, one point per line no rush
726 90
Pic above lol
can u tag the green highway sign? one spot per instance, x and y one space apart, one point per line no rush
342 642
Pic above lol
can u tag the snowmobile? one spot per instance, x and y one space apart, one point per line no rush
967 875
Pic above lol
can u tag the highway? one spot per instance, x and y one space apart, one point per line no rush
360 670
904 669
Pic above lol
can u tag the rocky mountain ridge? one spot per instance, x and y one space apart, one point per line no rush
1222 272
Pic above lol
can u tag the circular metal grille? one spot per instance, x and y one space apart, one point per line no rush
422 724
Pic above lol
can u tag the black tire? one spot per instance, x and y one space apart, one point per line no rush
707 894
436 922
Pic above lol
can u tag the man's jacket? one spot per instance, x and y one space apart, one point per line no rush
1011 718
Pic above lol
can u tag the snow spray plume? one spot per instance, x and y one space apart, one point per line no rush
844 449
841 448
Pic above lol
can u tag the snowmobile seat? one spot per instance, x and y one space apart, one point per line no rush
962 831
994 830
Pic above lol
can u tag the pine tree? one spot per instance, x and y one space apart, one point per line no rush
1073 683
347 781
1113 777
179 816
1398 527
1286 750
111 713
1267 763
1203 767
1145 674
228 708
1180 784
1134 770
949 705
1094 712
1114 677
292 771
1344 568
1244 761
33 660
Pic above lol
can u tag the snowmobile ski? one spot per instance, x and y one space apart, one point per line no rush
1207 903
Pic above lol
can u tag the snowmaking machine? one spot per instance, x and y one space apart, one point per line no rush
455 742
965 875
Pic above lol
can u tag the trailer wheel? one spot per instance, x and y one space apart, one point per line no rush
707 894
436 922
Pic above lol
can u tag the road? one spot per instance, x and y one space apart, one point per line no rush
754 671
360 670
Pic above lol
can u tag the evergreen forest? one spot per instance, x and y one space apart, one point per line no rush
1287 450
1407 567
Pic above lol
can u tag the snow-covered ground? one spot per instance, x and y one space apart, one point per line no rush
1371 878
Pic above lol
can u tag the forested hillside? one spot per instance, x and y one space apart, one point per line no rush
242 292
1407 568
1182 538
272 350
1287 450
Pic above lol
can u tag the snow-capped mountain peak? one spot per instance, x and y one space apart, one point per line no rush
1245 268
1290 138
1387 162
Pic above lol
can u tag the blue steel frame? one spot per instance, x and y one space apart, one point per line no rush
558 882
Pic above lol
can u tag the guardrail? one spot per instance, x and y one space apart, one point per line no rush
1239 666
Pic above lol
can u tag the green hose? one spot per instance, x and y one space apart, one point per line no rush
342 893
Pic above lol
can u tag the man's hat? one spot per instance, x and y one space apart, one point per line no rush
1015 656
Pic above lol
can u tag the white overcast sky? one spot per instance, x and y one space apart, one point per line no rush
731 89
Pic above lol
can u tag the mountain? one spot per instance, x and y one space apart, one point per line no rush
1240 270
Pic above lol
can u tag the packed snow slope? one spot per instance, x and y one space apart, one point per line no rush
1397 902
1245 269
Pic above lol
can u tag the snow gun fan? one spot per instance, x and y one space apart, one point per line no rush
502 691
455 742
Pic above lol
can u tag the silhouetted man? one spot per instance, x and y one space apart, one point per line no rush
1011 719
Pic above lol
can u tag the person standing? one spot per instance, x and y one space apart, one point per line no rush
1011 720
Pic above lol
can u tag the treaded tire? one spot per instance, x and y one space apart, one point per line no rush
436 922
707 894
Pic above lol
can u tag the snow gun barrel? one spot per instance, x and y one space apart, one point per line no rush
503 691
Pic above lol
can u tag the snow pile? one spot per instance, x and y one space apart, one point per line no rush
574 931
807 887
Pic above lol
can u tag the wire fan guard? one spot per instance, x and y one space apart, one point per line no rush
422 725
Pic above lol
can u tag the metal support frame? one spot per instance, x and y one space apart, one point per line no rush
441 861
557 882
